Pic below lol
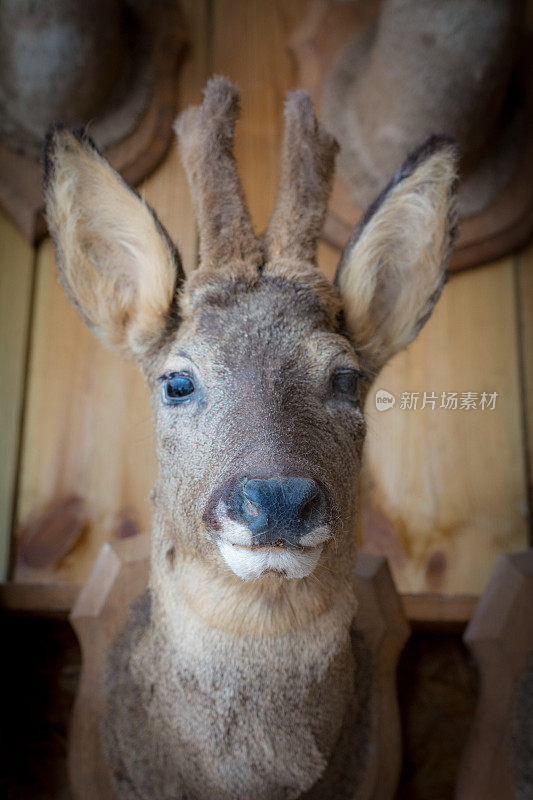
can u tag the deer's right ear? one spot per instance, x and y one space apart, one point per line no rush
116 262
393 269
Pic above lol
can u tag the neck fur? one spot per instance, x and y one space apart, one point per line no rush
266 606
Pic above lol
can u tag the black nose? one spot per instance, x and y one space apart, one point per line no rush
279 510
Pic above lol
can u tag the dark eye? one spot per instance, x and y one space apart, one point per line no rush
345 382
177 387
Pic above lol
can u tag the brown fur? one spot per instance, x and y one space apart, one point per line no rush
307 167
522 736
425 67
222 688
393 269
121 271
206 132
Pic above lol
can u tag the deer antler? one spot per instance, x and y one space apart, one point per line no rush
307 165
206 136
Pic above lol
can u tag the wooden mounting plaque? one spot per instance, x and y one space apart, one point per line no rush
505 225
135 155
120 575
500 637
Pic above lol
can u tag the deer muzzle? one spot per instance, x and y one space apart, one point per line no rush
272 524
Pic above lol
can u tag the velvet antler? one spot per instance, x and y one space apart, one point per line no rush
307 165
206 134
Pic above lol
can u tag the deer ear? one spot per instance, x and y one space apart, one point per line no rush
393 269
116 262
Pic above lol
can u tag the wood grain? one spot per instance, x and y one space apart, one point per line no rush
524 274
256 57
119 576
500 637
382 623
55 599
445 489
439 612
264 69
88 429
16 275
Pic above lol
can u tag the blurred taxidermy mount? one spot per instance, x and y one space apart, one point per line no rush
389 73
245 668
108 64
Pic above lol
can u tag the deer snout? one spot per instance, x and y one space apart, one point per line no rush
279 510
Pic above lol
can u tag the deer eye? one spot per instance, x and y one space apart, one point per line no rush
177 387
345 382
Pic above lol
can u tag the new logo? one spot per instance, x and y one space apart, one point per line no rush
384 400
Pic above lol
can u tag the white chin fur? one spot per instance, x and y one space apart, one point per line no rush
249 564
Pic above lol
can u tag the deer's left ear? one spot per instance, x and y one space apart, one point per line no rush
393 269
116 262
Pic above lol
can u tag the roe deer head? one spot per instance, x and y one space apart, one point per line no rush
258 368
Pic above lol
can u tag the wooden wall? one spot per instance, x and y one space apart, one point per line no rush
444 491
16 282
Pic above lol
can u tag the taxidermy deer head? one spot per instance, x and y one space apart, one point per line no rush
258 366
243 669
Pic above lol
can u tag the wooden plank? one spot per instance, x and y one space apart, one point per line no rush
381 621
445 489
167 190
118 578
524 268
56 599
16 275
87 430
441 611
250 47
88 426
496 761
264 69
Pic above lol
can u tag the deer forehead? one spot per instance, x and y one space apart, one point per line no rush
273 323
123 273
